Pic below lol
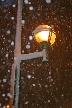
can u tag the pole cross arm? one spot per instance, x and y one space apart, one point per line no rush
34 55
31 55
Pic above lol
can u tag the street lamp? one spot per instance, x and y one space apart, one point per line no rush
45 36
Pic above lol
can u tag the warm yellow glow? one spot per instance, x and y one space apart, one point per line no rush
7 106
42 36
43 26
53 37
44 33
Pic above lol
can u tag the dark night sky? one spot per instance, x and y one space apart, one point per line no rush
41 86
6 3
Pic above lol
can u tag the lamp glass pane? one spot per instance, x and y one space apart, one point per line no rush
42 36
52 38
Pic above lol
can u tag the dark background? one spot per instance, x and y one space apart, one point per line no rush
50 85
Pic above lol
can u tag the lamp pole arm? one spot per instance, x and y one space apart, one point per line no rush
31 55
43 54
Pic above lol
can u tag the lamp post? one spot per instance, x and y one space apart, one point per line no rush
45 36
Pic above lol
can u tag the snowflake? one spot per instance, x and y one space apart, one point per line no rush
31 8
3 62
30 37
29 2
26 1
51 79
48 100
33 84
26 102
4 80
12 18
6 55
27 46
14 5
46 86
22 51
12 43
8 32
3 95
49 73
22 78
8 70
2 85
48 1
9 95
6 98
23 21
9 40
29 76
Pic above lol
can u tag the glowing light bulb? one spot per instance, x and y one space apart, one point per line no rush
8 106
44 33
42 36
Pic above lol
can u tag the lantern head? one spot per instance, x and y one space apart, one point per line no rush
44 34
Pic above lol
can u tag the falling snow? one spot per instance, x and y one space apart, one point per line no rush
9 95
48 1
33 84
27 46
14 5
12 43
3 95
8 32
31 8
4 80
23 21
26 1
8 70
30 37
6 55
42 85
29 76
12 18
22 51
